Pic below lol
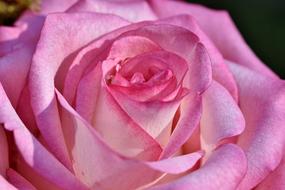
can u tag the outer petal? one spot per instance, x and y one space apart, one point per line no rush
8 36
89 150
262 101
18 181
221 30
16 61
15 80
9 33
32 151
221 117
224 169
133 11
52 49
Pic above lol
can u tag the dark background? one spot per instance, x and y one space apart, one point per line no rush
262 24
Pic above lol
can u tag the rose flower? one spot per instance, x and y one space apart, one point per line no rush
123 95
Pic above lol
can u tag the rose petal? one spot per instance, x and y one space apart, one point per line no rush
78 27
221 117
4 158
8 37
32 151
225 168
18 181
9 33
219 70
17 60
25 112
193 143
222 75
157 87
133 11
18 70
87 58
183 38
145 93
153 116
52 49
118 132
143 113
89 150
199 63
189 119
88 92
177 164
221 30
262 102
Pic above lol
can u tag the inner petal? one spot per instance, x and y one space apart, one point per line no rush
137 78
144 92
131 46
148 66
150 76
154 62
159 77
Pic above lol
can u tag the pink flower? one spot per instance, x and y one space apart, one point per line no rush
159 95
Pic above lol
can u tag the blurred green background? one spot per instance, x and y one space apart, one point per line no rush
11 9
262 24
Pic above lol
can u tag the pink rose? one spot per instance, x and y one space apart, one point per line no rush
159 95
